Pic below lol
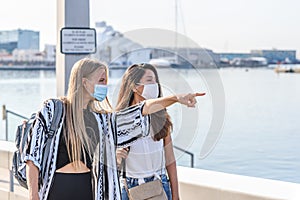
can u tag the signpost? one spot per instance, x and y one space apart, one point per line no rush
70 14
78 40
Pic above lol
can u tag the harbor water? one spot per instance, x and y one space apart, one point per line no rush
260 132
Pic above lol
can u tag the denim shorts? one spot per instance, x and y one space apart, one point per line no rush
132 182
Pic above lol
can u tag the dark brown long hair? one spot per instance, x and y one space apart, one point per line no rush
160 121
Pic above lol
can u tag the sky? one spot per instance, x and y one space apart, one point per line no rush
220 25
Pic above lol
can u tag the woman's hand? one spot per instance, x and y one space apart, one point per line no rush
121 153
189 99
154 105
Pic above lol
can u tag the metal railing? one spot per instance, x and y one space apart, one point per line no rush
186 152
5 113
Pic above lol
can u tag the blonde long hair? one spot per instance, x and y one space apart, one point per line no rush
160 121
77 140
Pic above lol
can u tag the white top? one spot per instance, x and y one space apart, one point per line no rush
146 158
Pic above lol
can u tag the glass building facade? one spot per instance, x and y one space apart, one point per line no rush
19 39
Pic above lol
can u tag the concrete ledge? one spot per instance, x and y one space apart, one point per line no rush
5 195
193 183
205 184
6 153
7 146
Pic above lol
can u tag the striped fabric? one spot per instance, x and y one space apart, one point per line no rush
122 128
131 125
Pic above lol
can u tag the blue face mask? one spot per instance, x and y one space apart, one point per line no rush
100 92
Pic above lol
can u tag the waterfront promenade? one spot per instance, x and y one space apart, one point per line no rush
194 184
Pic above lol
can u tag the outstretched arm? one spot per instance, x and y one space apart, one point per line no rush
154 105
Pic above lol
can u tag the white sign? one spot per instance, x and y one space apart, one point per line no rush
78 40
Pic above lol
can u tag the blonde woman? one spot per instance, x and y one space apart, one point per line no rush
153 155
81 161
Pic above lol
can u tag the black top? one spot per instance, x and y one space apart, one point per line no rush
93 133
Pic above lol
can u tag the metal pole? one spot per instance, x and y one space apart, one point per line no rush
6 127
192 160
70 13
3 112
186 152
11 182
4 117
16 114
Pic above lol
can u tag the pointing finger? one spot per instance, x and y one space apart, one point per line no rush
197 94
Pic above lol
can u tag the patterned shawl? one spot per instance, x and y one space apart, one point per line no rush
121 128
